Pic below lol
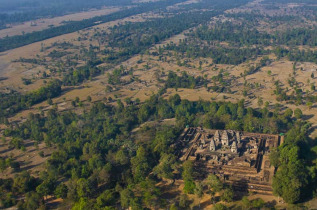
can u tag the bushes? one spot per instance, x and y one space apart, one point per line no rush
14 102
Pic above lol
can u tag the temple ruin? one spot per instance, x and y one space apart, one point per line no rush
239 158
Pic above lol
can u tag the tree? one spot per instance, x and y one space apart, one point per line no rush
183 201
16 143
189 186
41 154
49 101
254 204
24 182
104 174
61 191
82 204
258 203
140 166
126 197
150 193
84 188
163 139
166 166
3 164
173 207
32 201
260 101
89 98
143 113
220 206
187 170
240 112
246 202
309 105
199 191
290 180
107 198
7 200
128 101
187 174
274 157
72 190
298 113
46 187
227 195
121 157
214 183
269 72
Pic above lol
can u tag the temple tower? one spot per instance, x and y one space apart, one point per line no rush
238 137
225 139
212 146
217 136
234 148
203 140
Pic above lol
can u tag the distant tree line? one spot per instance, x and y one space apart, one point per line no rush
220 55
237 34
184 81
21 40
14 102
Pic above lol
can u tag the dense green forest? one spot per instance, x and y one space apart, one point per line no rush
242 35
96 153
184 81
14 102
220 55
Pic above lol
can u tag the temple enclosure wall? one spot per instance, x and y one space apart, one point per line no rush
238 158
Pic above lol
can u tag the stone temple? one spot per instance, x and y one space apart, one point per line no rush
239 158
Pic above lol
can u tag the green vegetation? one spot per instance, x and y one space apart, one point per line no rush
113 152
8 43
220 55
184 81
15 102
21 11
95 149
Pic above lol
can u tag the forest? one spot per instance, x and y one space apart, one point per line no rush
104 110
14 102
98 157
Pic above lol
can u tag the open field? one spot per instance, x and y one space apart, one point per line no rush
41 24
96 88
29 160
13 72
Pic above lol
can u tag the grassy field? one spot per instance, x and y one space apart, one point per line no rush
45 23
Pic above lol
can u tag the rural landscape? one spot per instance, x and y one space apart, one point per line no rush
158 104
